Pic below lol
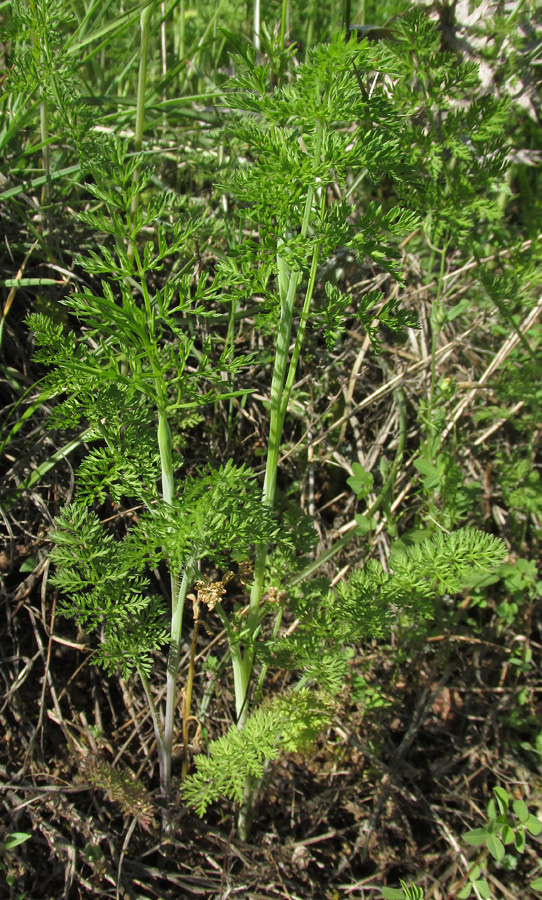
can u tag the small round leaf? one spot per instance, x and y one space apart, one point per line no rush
521 811
533 825
483 889
495 846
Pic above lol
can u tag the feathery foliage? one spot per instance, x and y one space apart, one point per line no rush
361 145
362 608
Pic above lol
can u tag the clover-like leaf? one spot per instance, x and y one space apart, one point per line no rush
476 838
533 825
521 811
495 847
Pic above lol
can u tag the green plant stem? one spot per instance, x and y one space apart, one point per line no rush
159 734
309 33
178 596
182 27
275 432
436 326
241 680
46 156
283 19
42 52
177 600
281 387
173 669
145 21
346 15
166 462
241 672
300 333
242 664
256 25
188 691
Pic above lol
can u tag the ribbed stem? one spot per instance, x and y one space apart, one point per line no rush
166 460
173 670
